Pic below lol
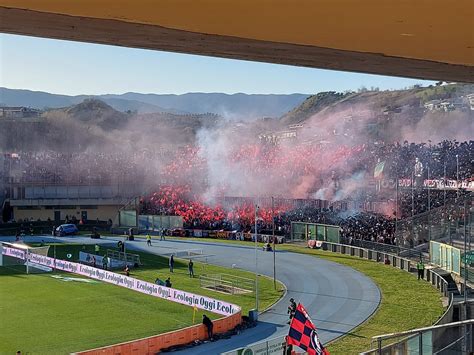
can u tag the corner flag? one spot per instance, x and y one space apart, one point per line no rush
194 312
303 333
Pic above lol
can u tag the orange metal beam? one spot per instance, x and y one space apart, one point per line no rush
415 38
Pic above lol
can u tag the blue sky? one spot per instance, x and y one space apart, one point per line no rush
74 68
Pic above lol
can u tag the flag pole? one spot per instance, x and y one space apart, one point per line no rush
396 210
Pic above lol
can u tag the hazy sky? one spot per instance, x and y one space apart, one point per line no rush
73 68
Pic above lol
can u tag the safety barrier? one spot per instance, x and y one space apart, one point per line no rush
154 344
430 276
394 260
403 346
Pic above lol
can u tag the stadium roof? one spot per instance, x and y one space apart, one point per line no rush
422 39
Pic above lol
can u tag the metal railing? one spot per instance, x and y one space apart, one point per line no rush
456 338
445 222
119 255
227 283
396 261
386 248
440 340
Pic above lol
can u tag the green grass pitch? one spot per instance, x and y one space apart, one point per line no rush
43 315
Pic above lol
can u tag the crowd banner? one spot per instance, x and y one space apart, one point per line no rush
440 184
170 294
436 184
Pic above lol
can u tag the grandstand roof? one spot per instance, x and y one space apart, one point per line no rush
429 40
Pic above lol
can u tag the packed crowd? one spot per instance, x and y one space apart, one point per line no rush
285 164
196 215
182 179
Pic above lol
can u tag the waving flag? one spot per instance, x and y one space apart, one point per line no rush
379 169
303 333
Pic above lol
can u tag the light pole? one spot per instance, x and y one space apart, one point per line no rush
429 205
457 175
273 236
256 260
396 210
444 187
413 206
465 254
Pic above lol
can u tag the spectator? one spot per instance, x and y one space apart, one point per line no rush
168 282
209 326
171 263
191 268
420 266
291 309
105 261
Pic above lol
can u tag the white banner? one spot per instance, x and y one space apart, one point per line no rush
170 294
15 253
440 184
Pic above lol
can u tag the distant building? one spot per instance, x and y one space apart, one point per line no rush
449 104
295 126
276 137
19 112
432 105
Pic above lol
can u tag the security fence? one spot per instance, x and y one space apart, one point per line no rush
442 339
315 231
449 223
129 218
446 257
154 223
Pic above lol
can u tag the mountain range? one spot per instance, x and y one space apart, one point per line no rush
239 106
419 114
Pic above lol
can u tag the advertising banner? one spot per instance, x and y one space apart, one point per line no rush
15 253
89 259
272 346
170 294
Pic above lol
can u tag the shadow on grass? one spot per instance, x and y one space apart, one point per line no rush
13 270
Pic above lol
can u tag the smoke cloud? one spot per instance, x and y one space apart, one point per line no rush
331 157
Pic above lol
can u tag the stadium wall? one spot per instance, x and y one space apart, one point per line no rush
101 212
154 344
